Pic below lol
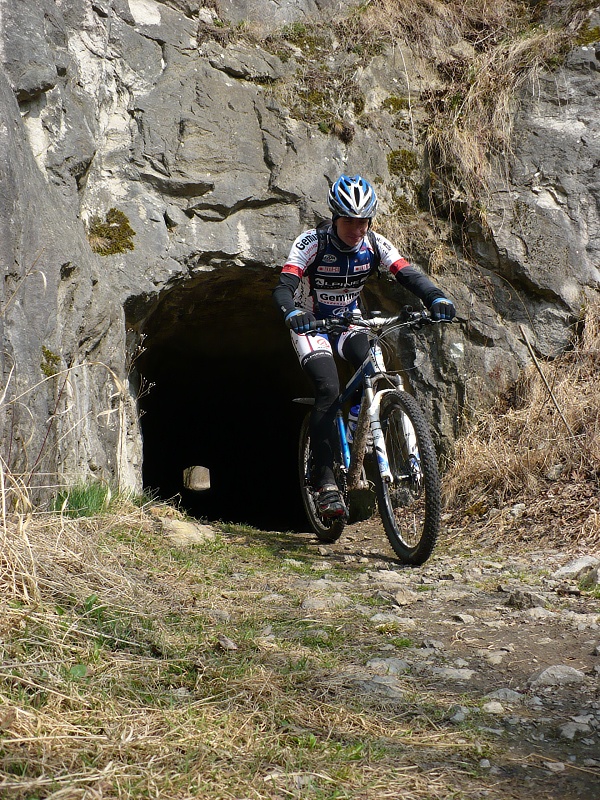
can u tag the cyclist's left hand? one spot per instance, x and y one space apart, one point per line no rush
442 309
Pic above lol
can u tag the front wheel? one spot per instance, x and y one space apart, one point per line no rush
410 504
326 530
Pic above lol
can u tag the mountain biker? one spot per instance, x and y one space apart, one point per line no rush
324 282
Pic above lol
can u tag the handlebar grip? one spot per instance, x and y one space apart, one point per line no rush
316 324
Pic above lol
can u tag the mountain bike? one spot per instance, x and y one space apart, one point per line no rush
391 448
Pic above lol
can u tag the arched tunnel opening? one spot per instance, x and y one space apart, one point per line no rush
217 376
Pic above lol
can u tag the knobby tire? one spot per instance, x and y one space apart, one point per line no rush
326 530
410 507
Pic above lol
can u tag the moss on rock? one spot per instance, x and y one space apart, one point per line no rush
111 236
402 162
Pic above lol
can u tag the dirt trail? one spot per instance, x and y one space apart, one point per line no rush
501 643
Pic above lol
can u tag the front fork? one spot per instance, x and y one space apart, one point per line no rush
373 400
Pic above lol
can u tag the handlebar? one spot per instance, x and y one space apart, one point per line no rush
406 318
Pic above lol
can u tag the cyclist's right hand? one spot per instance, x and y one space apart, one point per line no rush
299 321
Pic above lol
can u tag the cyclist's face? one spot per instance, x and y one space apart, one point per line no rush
351 231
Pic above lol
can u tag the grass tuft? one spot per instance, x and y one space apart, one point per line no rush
83 500
112 235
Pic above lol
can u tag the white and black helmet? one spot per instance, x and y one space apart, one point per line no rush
352 197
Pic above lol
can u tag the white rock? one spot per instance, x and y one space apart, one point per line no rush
573 568
555 766
493 707
558 675
388 666
453 674
538 613
382 685
337 600
508 695
406 623
387 576
184 532
493 657
466 619
406 597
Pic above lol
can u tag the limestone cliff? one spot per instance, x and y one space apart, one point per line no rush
212 130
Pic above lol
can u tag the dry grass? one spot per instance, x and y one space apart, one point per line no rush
474 113
480 56
540 446
113 683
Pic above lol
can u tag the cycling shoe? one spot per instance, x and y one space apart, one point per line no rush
330 502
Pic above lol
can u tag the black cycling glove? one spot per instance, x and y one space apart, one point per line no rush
442 309
299 321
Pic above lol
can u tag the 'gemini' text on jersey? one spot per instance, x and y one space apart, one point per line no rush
306 241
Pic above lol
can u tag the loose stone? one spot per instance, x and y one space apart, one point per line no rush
573 730
558 675
574 567
454 674
389 666
508 695
493 707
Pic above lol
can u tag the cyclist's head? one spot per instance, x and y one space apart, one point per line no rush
352 197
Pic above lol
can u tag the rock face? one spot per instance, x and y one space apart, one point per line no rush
161 111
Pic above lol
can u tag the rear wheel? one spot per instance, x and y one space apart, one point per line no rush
410 505
326 530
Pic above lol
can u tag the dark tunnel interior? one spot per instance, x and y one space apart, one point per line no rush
217 377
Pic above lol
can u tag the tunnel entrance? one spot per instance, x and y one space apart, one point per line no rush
217 378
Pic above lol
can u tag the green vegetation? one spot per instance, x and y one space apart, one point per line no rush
320 92
309 38
50 363
402 162
588 34
483 55
402 208
324 98
111 236
402 641
395 104
84 500
93 498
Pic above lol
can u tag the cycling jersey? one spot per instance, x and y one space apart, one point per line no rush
333 285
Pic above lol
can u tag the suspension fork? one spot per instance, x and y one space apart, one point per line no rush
372 400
